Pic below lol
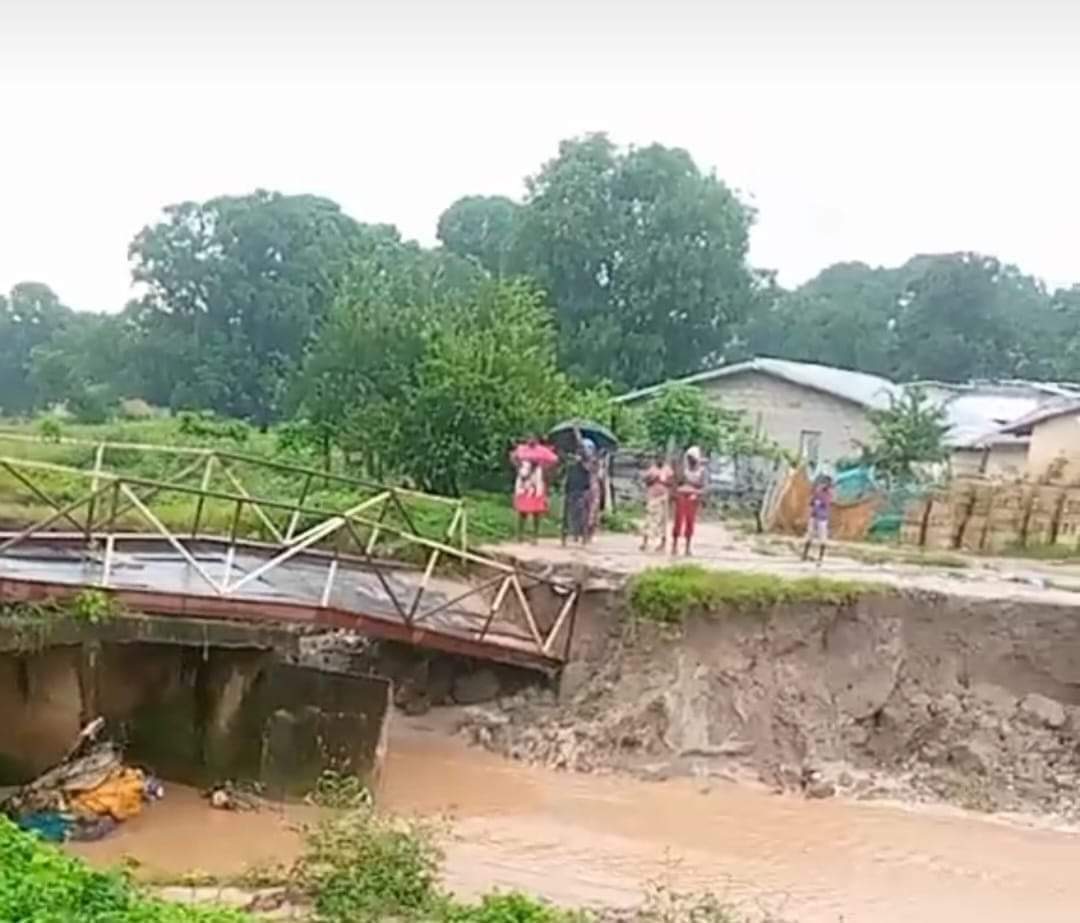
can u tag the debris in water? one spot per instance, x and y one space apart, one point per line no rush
230 796
85 796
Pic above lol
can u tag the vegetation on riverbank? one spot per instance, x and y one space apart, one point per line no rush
359 867
39 884
668 595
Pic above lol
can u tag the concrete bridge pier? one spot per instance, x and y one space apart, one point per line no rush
194 701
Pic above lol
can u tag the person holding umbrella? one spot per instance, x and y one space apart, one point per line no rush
579 483
530 459
581 442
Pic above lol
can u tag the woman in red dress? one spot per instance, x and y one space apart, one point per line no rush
688 490
530 488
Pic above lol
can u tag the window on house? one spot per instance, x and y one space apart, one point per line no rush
810 447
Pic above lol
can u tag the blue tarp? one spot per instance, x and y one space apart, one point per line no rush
853 484
51 826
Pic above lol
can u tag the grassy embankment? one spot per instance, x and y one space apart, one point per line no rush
668 595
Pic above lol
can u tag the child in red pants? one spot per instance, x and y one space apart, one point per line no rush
688 489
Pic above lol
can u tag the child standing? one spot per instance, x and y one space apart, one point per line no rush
657 478
818 527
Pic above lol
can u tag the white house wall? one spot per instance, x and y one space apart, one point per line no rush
785 410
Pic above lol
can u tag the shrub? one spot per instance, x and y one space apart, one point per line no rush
39 884
668 594
362 866
508 908
51 429
90 404
207 425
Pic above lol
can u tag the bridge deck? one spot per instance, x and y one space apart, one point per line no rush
381 600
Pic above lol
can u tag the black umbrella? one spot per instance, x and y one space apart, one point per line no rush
562 436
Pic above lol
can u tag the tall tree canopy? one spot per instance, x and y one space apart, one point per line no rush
481 228
642 256
30 316
844 317
632 260
951 317
235 289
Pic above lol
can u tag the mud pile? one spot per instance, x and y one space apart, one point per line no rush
922 697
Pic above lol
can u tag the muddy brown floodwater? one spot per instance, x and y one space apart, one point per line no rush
580 839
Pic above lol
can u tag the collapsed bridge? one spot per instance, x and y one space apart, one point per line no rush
197 533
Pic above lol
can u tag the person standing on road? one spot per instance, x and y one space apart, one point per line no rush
817 529
689 487
530 487
657 478
579 478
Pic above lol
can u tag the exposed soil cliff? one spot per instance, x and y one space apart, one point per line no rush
897 695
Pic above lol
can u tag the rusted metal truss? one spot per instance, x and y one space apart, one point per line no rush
294 558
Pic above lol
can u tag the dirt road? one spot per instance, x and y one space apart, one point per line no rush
720 547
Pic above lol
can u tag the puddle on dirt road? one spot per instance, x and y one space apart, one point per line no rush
592 839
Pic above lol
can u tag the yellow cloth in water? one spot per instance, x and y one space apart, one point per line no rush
120 796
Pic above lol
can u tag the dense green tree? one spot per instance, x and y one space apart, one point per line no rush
29 317
484 380
372 341
962 316
683 415
481 228
236 287
87 353
845 316
909 432
948 316
1061 342
642 255
430 369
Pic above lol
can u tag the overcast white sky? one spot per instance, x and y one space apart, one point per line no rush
860 129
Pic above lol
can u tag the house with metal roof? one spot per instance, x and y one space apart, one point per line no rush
1052 432
819 412
982 416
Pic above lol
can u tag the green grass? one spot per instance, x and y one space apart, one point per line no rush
667 595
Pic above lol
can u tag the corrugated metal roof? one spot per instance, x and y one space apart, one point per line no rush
1047 411
860 388
973 417
1003 386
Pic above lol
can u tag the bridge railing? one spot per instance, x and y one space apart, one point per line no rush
252 476
374 531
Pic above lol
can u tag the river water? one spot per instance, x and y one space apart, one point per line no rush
580 839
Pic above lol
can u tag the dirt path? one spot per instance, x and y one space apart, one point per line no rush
718 547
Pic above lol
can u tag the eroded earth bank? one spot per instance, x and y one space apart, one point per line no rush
913 696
